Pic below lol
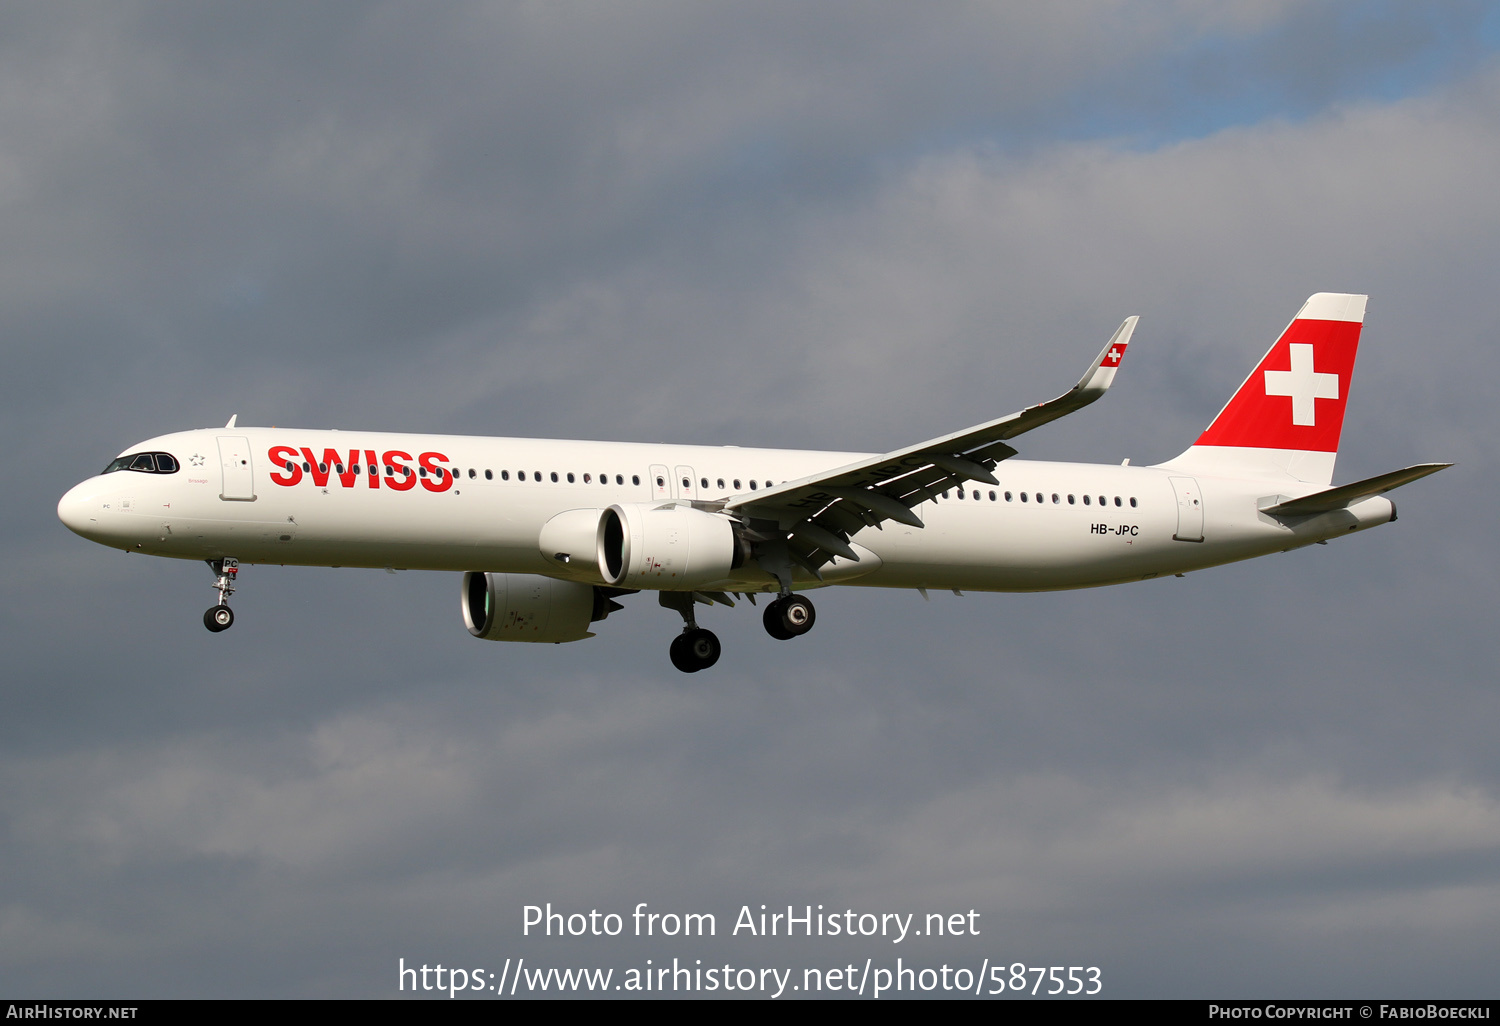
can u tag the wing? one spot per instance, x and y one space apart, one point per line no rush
819 513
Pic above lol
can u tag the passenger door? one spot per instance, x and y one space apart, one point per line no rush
239 476
1189 509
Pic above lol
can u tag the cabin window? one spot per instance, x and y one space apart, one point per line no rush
1117 500
1085 500
1132 502
736 484
635 479
489 475
752 486
721 484
554 477
536 475
992 496
422 472
1072 501
661 482
1023 496
687 483
570 478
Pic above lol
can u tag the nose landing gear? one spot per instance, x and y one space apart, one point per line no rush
220 617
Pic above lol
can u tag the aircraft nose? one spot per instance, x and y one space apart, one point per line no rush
78 510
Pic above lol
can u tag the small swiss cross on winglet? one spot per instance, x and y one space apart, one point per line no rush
1102 371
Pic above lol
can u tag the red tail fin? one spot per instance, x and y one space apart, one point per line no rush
1295 398
1287 416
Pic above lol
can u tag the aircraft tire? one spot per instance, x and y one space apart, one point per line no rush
789 617
695 650
771 618
218 618
798 615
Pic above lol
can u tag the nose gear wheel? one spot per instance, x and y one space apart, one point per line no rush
220 617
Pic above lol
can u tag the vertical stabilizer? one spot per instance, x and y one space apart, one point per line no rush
1286 418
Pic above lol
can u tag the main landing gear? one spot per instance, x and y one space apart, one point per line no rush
221 617
790 616
695 648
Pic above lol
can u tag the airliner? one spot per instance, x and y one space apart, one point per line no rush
548 534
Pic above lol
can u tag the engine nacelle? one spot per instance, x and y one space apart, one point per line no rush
571 541
667 546
529 607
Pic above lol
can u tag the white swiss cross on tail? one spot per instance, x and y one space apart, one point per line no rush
1302 384
1112 358
1294 400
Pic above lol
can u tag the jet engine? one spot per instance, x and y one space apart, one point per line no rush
667 547
529 607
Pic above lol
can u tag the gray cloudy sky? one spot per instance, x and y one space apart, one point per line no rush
817 225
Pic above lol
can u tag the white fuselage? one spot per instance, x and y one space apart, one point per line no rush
1079 525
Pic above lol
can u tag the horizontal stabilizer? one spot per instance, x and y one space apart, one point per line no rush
1349 494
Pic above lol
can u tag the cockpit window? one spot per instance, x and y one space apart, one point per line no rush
145 463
